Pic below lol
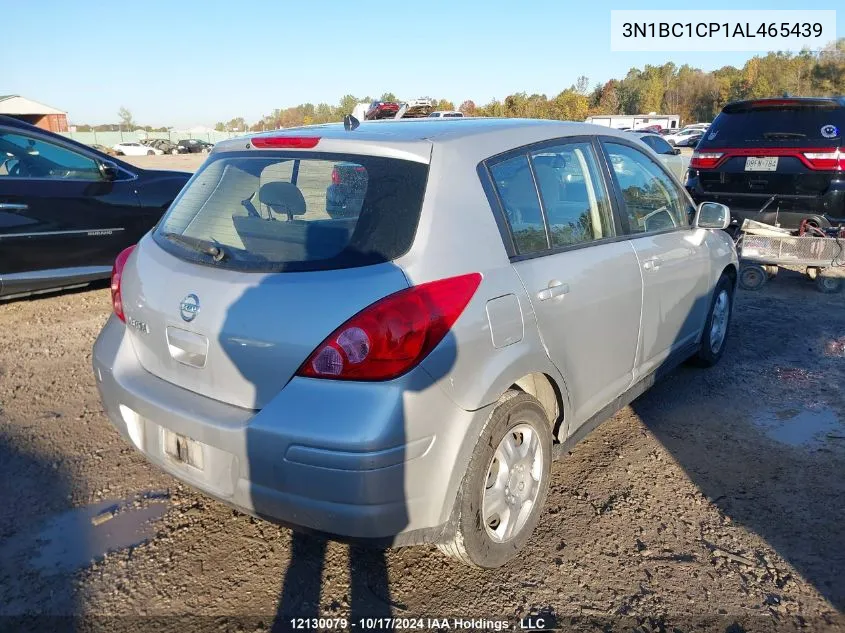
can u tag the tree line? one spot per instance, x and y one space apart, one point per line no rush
694 94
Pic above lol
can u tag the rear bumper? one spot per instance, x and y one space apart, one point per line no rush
378 461
787 208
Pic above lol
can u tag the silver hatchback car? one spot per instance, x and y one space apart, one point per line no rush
386 332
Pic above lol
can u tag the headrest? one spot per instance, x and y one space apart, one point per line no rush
282 197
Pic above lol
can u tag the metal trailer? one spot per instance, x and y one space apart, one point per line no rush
763 248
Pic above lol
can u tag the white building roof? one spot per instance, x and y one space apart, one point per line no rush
16 105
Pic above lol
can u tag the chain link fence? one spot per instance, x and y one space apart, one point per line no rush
113 138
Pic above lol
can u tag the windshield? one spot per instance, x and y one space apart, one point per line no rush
811 124
267 211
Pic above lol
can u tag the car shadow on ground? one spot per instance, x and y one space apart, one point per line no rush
761 434
290 491
32 583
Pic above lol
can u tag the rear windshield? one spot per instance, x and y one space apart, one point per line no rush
797 125
268 211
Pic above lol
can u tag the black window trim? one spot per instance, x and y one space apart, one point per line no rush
620 200
498 208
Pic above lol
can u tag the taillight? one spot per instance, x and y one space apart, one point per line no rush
299 142
335 176
705 160
116 277
393 335
833 160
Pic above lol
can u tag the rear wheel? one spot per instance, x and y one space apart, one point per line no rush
151 153
505 486
752 277
716 327
829 285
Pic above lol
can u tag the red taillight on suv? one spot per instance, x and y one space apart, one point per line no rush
116 275
705 160
335 176
826 160
393 335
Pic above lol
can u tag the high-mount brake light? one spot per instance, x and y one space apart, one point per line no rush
275 142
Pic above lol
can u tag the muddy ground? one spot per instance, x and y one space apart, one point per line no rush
715 502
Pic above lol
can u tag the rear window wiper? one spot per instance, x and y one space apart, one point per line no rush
783 135
195 244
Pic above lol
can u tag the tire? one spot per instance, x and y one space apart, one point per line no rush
484 542
771 271
829 285
151 153
717 326
752 276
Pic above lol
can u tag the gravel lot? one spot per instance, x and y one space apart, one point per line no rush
715 502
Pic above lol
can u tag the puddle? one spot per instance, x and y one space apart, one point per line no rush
71 540
802 427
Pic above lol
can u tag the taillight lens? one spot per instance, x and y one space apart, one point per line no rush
335 176
705 160
393 335
116 276
833 160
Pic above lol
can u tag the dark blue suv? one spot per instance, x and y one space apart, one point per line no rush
774 161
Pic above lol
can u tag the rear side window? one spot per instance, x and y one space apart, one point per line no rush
658 144
809 124
515 184
652 201
267 211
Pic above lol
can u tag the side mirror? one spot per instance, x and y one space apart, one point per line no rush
712 215
108 170
676 150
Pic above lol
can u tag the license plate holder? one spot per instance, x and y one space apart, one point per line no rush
761 163
183 450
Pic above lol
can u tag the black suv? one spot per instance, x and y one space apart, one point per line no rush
774 161
194 146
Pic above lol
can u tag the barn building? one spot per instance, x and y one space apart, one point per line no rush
33 112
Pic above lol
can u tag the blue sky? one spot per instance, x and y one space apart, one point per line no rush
188 62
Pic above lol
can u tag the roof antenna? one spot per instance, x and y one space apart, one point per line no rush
350 123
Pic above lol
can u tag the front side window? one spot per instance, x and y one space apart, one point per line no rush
515 184
24 156
573 193
652 201
267 211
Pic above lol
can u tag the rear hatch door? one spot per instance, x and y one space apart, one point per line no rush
247 273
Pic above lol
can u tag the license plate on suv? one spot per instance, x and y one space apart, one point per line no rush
183 449
766 163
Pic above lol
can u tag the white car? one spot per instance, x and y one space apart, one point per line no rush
136 149
683 135
446 114
419 103
670 156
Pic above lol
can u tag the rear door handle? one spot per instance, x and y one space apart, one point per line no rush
13 206
652 263
555 289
